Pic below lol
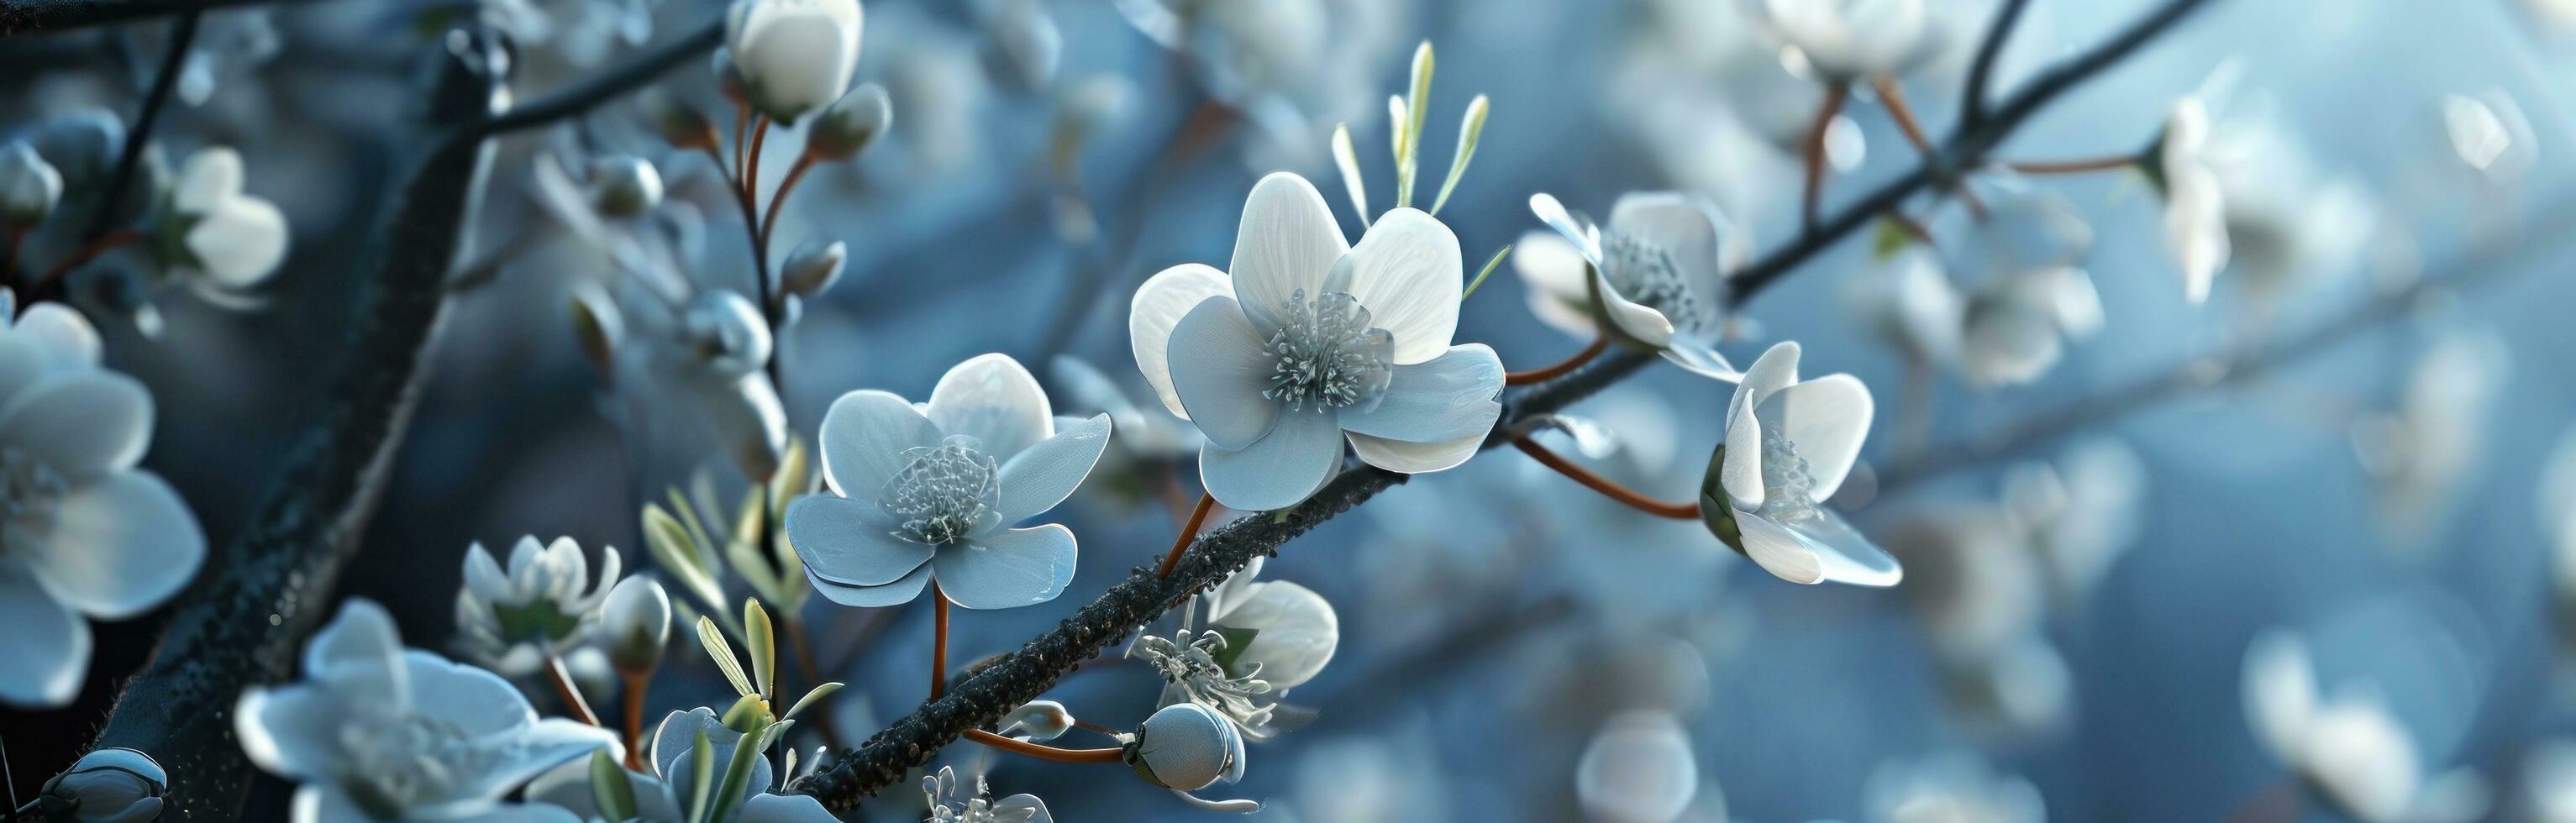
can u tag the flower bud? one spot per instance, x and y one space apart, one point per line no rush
1186 747
682 124
637 622
795 56
727 333
1038 721
624 185
598 326
29 187
83 144
813 266
107 786
852 122
729 78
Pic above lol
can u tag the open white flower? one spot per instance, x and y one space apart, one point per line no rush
950 803
1637 769
2195 203
932 491
795 56
1789 443
234 240
1659 272
1288 631
2419 453
379 732
1312 340
512 620
667 791
1910 303
82 531
2350 749
1843 41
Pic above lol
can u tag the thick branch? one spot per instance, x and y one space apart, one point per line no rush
19 17
636 72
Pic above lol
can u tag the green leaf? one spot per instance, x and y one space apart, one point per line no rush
792 480
701 543
1349 162
1236 640
818 693
762 637
1418 109
702 756
722 651
609 787
753 568
1888 238
669 542
738 773
1487 271
1468 132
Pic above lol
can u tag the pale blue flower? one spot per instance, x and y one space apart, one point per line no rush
1659 270
379 732
931 490
1789 443
82 530
666 792
1312 340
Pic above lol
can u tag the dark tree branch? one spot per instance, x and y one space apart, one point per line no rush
19 17
580 98
1972 109
846 776
183 33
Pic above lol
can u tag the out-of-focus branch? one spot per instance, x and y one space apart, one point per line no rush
2216 370
183 32
631 75
1972 109
243 622
19 17
846 776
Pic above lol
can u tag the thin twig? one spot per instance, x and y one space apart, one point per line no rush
1607 487
1041 752
573 100
1543 374
183 33
2072 166
1189 534
938 642
569 693
1972 108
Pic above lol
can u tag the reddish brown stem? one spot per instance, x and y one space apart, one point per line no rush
2073 166
1189 533
769 221
108 242
741 121
1546 373
1043 752
1892 96
938 642
636 682
564 689
1835 94
1604 485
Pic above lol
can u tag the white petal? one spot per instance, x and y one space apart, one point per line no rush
1159 305
1298 631
471 700
1701 359
1043 475
1776 369
2280 686
210 177
47 646
1688 228
1555 275
1407 272
1220 372
1817 548
1416 458
522 813
1446 398
1827 418
1287 243
1740 474
774 808
864 436
1638 767
240 242
1278 471
1007 568
1576 230
2196 227
324 803
67 338
892 594
849 542
360 640
1636 320
292 732
993 399
120 545
83 425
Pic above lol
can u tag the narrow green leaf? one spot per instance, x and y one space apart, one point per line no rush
1468 132
762 637
722 651
1395 109
818 693
702 544
787 766
1418 102
753 568
1488 270
702 756
609 787
1349 161
791 479
738 773
669 542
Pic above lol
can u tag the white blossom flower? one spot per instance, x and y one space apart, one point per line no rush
511 620
1910 303
211 228
2195 203
2549 782
795 56
379 732
1637 769
2027 295
1972 585
1311 341
82 531
2350 748
950 805
932 491
2419 452
1659 270
108 785
29 186
1789 443
2080 513
1842 41
1262 639
1950 788
667 792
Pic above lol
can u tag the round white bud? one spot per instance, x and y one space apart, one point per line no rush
1038 721
852 122
29 186
637 623
1186 747
624 185
814 266
727 333
794 56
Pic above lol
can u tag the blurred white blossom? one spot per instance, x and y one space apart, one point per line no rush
1657 273
2349 746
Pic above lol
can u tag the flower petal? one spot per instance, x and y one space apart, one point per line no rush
68 339
864 436
1043 475
470 699
1827 418
2196 227
1776 369
209 177
120 546
47 646
1407 272
1690 231
1555 274
849 542
1158 306
1636 320
83 425
1446 398
1576 230
1287 242
892 594
1817 548
1416 458
776 808
1279 470
993 399
1008 568
2280 691
1740 475
359 641
1298 631
1701 359
1220 373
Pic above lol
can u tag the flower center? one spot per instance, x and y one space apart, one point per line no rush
29 494
1787 485
1644 273
1326 354
944 492
1189 662
391 763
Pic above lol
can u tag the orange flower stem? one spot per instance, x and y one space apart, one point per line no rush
1043 752
1892 96
636 682
564 689
1604 485
1835 95
769 221
1543 374
108 242
2073 166
939 642
1189 534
